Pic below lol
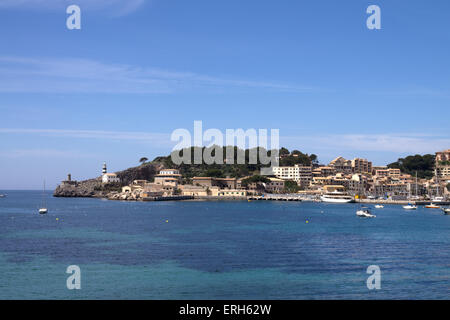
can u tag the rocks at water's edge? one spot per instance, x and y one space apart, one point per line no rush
94 188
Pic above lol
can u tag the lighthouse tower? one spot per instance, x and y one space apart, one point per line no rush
104 171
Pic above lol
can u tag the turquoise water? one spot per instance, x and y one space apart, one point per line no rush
218 250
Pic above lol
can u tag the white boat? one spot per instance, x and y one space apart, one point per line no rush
364 213
446 211
410 207
43 209
337 197
438 199
379 206
2 195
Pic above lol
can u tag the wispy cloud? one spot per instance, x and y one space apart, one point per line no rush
152 138
88 76
397 143
117 7
411 143
46 153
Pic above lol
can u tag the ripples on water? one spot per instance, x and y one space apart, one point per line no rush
219 250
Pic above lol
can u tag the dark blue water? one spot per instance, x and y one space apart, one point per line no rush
219 250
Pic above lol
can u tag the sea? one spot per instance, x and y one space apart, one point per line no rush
219 250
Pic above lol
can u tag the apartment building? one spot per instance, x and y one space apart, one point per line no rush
443 165
361 166
298 173
341 165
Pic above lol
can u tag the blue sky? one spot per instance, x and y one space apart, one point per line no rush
138 69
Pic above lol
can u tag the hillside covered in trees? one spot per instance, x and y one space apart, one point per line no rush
423 165
232 168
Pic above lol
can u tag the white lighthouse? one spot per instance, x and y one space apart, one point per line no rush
109 177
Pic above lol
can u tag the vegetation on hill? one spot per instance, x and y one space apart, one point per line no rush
291 187
231 168
289 159
255 179
423 165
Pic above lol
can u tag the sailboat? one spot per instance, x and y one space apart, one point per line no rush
43 209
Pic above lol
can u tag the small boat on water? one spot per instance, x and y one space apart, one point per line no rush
43 209
379 206
364 213
2 195
446 211
410 206
432 206
337 197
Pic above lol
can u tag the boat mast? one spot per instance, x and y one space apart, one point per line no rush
416 184
43 196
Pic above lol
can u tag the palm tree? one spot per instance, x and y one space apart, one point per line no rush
143 160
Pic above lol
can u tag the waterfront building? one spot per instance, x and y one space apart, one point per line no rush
341 165
443 165
275 185
391 172
298 173
109 177
324 171
229 183
170 177
361 166
190 190
358 184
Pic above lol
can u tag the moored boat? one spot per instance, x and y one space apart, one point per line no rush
337 197
43 209
364 213
410 207
379 206
432 206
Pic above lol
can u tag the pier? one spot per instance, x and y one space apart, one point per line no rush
168 198
277 197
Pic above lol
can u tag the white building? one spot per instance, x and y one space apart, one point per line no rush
110 178
298 173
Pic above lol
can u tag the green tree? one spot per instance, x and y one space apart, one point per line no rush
423 165
313 158
143 160
284 151
255 179
291 187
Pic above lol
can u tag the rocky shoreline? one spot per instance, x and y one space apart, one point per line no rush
93 188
